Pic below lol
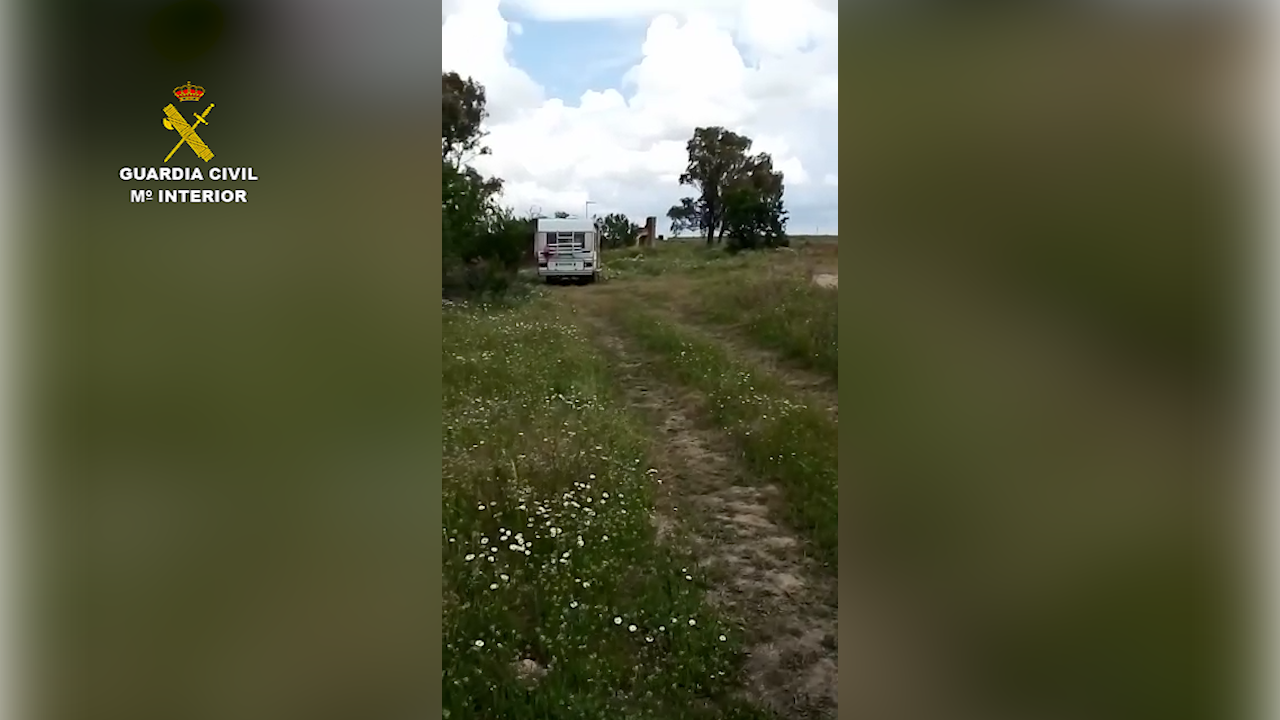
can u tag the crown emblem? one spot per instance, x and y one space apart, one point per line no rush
188 92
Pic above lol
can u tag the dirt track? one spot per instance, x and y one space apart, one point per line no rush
710 499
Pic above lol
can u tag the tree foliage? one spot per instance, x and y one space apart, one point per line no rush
685 216
716 157
739 194
616 230
754 216
561 214
482 244
463 111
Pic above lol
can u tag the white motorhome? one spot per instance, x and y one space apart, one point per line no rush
566 248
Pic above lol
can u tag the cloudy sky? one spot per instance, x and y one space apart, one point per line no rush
595 100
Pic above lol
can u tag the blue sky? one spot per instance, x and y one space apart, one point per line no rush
569 58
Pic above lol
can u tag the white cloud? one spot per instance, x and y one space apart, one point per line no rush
760 67
474 42
773 27
621 9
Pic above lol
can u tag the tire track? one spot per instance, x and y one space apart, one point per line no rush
785 602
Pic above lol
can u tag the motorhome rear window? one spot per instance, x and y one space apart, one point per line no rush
567 239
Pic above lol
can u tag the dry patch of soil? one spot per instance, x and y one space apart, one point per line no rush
826 280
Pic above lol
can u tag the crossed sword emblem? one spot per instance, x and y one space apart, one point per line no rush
175 121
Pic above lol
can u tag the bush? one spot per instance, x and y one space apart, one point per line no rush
477 278
482 245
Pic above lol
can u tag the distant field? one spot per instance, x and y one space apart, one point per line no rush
793 238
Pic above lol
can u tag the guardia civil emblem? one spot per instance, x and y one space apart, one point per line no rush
174 121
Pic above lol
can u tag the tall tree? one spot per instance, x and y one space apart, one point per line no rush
482 243
716 158
463 111
754 216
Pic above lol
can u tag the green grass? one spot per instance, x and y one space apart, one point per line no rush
784 312
780 437
549 549
688 255
670 257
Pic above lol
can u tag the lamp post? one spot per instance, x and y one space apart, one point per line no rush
587 208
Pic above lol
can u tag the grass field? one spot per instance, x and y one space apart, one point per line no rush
639 520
